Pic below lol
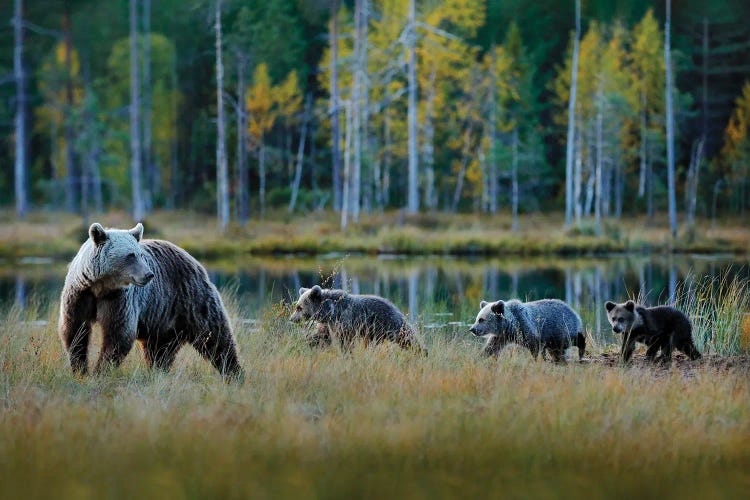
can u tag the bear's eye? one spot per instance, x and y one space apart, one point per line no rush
131 256
481 320
299 308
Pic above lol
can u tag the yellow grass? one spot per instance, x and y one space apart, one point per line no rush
374 423
393 232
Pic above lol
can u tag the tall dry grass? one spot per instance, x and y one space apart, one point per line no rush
377 422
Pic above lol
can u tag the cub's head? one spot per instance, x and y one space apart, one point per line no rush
313 305
622 317
490 320
117 257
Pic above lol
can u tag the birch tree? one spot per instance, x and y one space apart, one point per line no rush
135 121
334 104
222 182
21 121
571 120
413 193
670 124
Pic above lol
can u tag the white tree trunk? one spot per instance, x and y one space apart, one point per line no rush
571 122
334 106
21 141
644 148
356 111
135 121
494 188
150 186
514 179
428 145
300 154
599 153
222 182
347 156
462 171
242 187
577 177
413 194
670 125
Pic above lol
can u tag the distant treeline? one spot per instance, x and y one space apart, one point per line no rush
364 105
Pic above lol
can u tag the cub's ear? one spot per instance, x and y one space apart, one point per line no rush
483 304
137 232
316 291
630 305
97 234
610 305
303 290
498 307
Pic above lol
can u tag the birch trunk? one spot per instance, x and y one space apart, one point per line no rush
262 176
577 178
356 110
347 155
599 152
300 154
413 194
514 180
494 188
334 106
428 148
71 192
222 184
242 187
462 172
135 120
571 124
672 198
148 160
21 140
644 148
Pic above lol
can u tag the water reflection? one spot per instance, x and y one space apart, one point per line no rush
433 290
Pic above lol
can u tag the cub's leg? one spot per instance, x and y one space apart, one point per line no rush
558 354
321 337
653 348
628 346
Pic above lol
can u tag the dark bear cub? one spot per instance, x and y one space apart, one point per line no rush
343 316
659 328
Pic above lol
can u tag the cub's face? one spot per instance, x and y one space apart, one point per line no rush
118 258
622 317
490 320
312 305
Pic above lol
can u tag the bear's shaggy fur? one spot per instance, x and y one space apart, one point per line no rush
543 324
172 302
660 328
344 317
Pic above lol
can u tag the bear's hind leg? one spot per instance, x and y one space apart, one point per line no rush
558 354
160 351
218 347
653 349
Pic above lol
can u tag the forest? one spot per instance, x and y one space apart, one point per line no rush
599 109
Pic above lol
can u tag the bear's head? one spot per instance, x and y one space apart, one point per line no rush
622 317
117 259
490 320
313 304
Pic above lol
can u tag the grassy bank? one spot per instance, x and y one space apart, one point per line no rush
377 422
59 236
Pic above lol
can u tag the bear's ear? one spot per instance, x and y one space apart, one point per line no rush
498 307
316 291
483 304
610 305
302 291
97 234
630 305
137 232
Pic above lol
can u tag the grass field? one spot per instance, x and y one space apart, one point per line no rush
377 422
56 235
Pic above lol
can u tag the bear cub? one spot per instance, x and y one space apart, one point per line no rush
548 324
146 290
343 316
660 328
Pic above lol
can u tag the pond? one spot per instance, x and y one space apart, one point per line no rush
436 292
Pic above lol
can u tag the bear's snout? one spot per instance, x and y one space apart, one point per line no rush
473 329
617 329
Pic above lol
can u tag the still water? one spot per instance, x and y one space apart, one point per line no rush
434 291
